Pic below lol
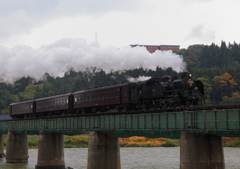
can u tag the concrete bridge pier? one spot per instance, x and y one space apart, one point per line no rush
17 148
201 151
1 146
50 151
103 151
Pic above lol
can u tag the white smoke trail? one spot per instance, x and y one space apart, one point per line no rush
140 78
57 58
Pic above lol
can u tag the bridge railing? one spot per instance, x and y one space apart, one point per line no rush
219 122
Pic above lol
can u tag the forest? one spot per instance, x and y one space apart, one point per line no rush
216 66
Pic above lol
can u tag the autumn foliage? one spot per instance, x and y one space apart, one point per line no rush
228 79
147 142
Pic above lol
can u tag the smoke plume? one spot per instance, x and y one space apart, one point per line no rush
57 58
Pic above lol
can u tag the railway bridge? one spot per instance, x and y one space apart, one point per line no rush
200 133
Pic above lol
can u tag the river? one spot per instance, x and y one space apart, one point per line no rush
131 158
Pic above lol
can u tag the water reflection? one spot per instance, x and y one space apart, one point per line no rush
4 165
131 158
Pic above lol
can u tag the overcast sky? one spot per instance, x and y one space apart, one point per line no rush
119 22
38 36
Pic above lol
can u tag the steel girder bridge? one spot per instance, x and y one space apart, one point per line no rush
152 125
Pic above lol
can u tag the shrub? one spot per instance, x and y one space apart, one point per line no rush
32 141
232 143
170 143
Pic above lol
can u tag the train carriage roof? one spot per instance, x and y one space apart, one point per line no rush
103 88
77 92
24 102
51 97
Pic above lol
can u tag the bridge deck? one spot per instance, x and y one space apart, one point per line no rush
169 124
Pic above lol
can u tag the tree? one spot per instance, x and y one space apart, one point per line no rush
228 79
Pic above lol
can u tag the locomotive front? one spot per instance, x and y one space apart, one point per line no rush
193 91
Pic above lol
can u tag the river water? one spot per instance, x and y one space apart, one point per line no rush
131 158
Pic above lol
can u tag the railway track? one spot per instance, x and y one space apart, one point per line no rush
177 109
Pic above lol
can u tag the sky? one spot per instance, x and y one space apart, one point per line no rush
119 22
45 30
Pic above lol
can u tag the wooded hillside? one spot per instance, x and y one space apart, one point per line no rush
217 67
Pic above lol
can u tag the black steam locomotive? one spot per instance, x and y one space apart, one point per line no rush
167 92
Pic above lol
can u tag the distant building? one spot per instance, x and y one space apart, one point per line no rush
153 48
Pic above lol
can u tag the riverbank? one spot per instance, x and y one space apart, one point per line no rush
82 142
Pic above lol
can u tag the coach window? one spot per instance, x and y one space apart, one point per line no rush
75 99
124 93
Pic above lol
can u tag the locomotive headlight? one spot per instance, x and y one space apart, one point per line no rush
190 75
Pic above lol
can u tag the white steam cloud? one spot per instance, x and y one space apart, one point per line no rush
140 78
57 58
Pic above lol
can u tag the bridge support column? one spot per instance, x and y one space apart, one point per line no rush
103 151
17 148
1 146
50 151
201 151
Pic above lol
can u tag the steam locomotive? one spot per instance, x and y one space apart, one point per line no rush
165 92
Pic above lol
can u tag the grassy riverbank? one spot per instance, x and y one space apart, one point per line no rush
82 142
